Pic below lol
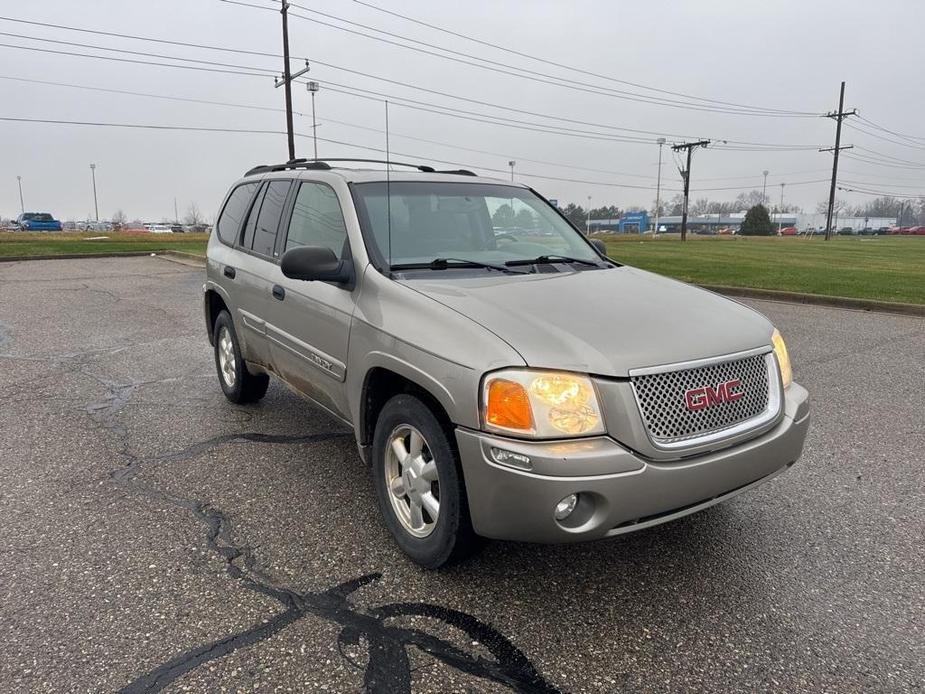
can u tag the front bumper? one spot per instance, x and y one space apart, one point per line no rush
619 491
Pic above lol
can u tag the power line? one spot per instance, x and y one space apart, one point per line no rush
107 90
523 73
740 145
144 126
881 193
546 61
148 126
133 61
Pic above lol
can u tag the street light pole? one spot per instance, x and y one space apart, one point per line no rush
780 212
588 220
22 207
96 208
313 87
511 164
658 186
764 191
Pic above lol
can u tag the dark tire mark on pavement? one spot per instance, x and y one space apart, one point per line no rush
388 670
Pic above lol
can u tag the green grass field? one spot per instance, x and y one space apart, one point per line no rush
880 268
884 268
18 244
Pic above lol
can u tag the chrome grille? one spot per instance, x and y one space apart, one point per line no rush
662 399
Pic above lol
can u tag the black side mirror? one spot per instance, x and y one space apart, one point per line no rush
599 245
316 263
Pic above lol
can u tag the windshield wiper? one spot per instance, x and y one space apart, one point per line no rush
444 263
546 259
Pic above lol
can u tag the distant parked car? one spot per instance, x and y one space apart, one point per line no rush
159 228
788 231
867 231
916 231
37 221
846 231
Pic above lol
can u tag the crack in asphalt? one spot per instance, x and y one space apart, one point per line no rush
388 670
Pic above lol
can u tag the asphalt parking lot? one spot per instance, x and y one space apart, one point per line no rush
153 535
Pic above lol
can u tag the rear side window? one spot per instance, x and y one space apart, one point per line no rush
268 220
317 219
229 223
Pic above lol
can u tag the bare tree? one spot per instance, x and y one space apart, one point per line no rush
193 215
837 206
119 218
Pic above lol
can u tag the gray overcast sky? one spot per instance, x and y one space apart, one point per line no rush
788 55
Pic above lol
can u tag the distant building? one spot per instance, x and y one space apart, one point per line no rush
636 222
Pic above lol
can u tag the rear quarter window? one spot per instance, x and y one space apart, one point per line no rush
229 222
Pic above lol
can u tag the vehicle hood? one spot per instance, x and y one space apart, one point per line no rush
603 322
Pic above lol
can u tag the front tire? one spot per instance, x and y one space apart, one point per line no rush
419 484
239 385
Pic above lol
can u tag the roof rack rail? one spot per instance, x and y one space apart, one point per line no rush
323 164
458 172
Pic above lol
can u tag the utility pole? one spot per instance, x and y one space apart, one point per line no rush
96 207
22 207
658 187
511 164
313 88
780 212
839 116
686 175
176 215
764 191
287 78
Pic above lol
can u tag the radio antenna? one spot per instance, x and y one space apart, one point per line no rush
388 184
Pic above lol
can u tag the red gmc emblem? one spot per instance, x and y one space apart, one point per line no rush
708 396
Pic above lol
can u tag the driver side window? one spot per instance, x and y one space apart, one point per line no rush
317 219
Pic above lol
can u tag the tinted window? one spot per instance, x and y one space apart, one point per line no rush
229 223
317 219
268 220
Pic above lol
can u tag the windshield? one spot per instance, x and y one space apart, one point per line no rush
37 217
480 222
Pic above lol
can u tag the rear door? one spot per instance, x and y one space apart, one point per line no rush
257 260
309 323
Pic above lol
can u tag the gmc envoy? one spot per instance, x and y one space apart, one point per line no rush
503 377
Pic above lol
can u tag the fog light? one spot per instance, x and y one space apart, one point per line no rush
512 459
565 507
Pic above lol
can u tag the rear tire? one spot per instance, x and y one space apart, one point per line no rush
419 484
239 385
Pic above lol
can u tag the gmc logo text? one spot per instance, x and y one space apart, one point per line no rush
708 396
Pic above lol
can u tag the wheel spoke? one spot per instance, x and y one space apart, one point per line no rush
431 505
417 444
397 487
398 447
429 471
417 515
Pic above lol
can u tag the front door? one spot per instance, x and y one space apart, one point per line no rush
309 324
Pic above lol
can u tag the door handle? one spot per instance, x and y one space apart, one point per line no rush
229 272
278 292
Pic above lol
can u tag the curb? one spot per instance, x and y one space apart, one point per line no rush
77 256
820 300
183 258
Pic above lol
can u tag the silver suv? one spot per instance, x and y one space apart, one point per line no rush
503 377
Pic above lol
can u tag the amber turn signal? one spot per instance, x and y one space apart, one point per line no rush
508 406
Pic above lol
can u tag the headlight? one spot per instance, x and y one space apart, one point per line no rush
783 358
541 404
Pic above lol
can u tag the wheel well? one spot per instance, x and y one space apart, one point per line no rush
382 384
214 306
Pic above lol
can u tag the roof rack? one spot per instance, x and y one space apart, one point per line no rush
322 164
